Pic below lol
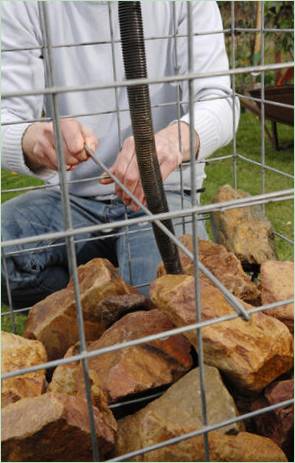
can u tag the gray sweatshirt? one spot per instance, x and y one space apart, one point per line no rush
88 21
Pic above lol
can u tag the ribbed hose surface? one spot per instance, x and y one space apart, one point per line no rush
131 29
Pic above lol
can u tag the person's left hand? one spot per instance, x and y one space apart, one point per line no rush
126 170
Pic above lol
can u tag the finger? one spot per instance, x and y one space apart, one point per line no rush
89 138
47 151
105 179
73 140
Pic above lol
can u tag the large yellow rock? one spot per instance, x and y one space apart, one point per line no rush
176 412
104 298
54 427
251 353
245 231
17 353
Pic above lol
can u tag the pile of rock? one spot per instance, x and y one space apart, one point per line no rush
49 422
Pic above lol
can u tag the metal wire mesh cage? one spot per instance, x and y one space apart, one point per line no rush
70 236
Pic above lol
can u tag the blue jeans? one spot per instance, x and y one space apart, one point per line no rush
34 274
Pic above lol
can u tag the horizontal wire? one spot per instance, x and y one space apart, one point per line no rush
263 100
155 106
114 111
164 79
282 195
150 38
139 341
110 42
265 166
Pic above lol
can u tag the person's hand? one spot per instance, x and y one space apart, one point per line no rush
126 170
38 144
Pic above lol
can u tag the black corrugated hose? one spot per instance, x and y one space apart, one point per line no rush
131 29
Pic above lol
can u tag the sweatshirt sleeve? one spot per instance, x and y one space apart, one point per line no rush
21 71
213 119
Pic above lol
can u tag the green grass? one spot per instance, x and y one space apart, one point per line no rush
220 173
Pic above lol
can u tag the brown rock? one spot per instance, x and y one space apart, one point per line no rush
53 427
222 447
224 265
278 424
17 353
277 284
251 353
245 231
176 412
53 320
133 369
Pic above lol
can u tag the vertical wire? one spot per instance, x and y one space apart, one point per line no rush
71 252
178 109
127 241
262 117
11 311
194 229
233 60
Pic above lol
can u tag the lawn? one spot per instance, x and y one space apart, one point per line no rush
220 173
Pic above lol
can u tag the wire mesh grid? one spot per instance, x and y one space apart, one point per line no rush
185 215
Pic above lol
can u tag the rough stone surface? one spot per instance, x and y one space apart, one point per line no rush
176 412
53 320
224 265
245 231
251 353
64 379
17 353
134 369
277 284
222 447
278 425
53 427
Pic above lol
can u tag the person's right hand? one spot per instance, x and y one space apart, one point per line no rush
38 144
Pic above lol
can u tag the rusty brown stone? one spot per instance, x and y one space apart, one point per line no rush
222 447
224 265
134 369
54 427
277 284
53 320
251 353
17 353
278 424
245 231
176 412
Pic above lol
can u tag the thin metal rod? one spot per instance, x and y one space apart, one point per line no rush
285 238
282 195
178 107
70 245
266 167
128 456
133 82
160 37
108 42
262 107
142 340
196 260
233 63
268 102
158 105
11 311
